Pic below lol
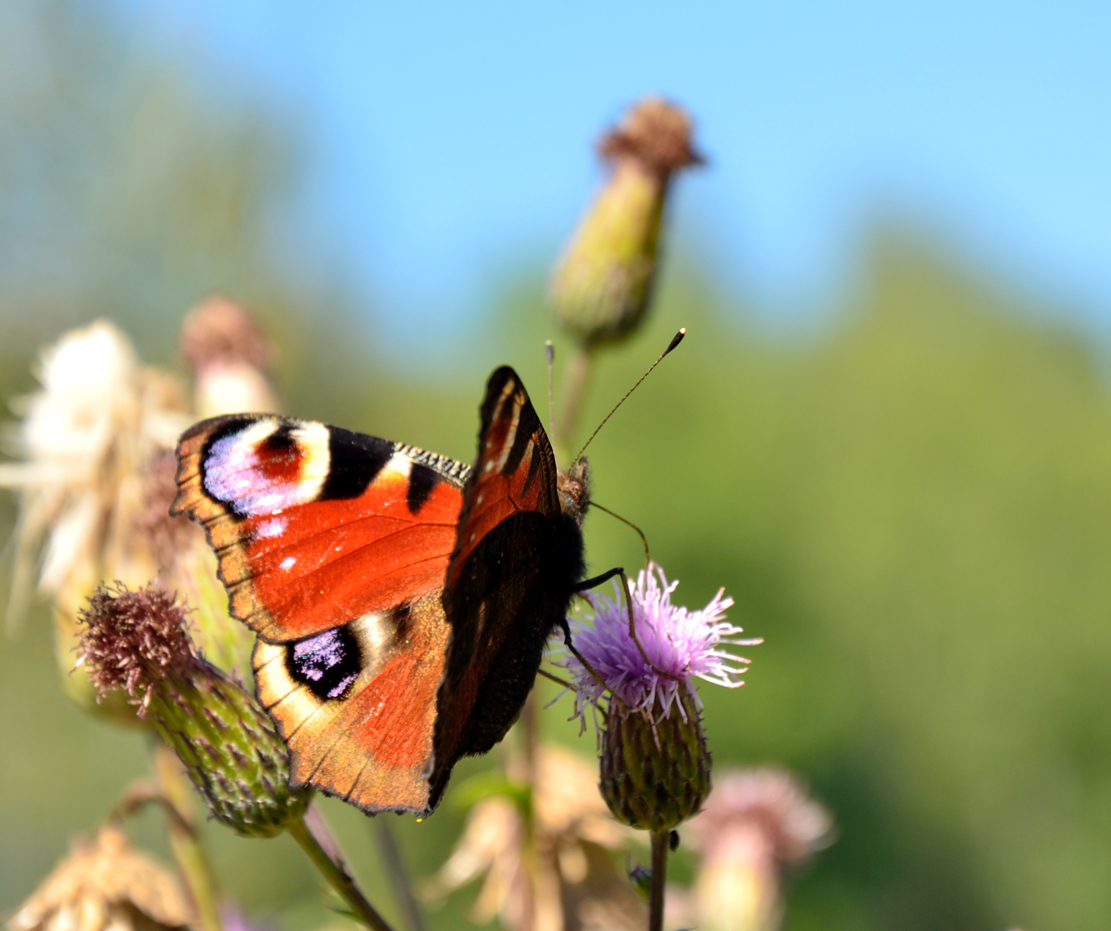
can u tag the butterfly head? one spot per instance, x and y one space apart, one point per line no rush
574 490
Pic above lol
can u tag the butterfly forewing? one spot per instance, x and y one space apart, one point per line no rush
515 469
314 525
515 562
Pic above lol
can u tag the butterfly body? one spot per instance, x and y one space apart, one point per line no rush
402 599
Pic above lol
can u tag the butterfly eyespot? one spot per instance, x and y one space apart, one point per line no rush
327 663
288 563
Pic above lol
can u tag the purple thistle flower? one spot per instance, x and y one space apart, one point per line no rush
680 643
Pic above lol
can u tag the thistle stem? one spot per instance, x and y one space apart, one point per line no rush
659 880
576 375
399 876
332 867
185 845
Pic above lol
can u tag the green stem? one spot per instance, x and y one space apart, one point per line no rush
185 845
333 869
399 876
576 375
659 880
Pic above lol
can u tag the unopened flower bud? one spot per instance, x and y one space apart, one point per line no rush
230 356
136 641
602 285
655 768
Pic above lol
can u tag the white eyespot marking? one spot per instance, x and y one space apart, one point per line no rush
272 528
400 465
241 470
481 497
312 441
488 465
288 563
372 634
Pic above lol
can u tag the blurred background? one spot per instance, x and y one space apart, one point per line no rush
888 434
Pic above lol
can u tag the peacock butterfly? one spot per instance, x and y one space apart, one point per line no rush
402 600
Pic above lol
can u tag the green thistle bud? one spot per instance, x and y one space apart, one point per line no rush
136 641
602 285
655 768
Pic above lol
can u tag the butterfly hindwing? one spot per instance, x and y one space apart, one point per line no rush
357 704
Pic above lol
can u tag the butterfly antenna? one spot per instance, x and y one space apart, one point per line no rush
675 341
549 351
640 533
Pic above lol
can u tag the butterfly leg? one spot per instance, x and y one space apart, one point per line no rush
556 679
583 660
628 589
598 580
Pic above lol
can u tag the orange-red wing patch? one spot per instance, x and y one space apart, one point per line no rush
315 526
373 745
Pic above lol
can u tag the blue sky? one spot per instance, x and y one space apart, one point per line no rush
448 143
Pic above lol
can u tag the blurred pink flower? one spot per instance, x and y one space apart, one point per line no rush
755 824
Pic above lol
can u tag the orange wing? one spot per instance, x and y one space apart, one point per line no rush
334 547
314 525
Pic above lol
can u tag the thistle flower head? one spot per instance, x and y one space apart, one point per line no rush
655 765
755 824
602 285
655 132
771 801
83 440
131 640
680 644
136 640
95 476
230 356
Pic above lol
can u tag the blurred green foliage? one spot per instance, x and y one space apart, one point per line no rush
911 505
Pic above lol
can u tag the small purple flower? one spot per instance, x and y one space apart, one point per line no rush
680 644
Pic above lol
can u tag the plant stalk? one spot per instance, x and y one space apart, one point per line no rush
398 874
576 376
321 849
185 845
659 880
